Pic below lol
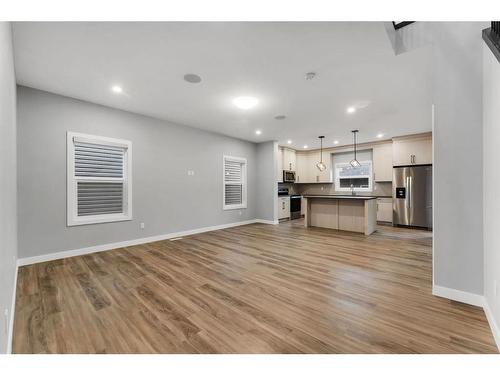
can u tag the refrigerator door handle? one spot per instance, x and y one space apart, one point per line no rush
408 192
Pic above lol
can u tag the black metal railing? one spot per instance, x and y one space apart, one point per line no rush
491 36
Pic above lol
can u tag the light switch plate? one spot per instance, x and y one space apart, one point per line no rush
142 225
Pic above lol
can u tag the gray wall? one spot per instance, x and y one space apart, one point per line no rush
491 172
458 160
267 165
8 209
165 198
458 140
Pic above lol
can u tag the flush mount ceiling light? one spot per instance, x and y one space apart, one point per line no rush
192 78
245 102
258 132
116 89
321 166
351 109
335 142
289 141
280 117
305 146
380 135
354 162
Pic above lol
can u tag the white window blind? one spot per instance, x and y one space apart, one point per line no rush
99 179
234 193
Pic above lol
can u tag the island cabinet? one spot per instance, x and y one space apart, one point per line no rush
412 150
354 214
382 162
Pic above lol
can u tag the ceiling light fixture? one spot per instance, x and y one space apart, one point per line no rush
258 132
380 135
116 89
335 142
192 78
354 162
305 146
321 166
280 117
310 75
351 109
289 141
245 102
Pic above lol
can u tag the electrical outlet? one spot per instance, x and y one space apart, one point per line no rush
142 226
322 188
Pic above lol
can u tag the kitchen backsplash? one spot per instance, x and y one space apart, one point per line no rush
380 189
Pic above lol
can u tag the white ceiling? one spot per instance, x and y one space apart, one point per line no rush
354 62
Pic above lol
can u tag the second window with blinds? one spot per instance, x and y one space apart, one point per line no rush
99 186
234 183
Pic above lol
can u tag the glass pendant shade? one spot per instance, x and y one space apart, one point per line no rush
321 166
354 163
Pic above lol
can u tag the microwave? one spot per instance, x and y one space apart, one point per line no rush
288 176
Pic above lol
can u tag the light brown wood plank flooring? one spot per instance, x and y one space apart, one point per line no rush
250 289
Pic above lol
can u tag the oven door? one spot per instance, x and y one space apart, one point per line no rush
288 176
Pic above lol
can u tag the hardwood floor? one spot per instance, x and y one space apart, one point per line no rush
251 289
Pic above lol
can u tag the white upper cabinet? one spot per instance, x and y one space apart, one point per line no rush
410 150
382 162
289 159
279 172
307 172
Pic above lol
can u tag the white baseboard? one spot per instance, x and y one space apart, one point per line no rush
458 295
492 322
138 241
262 221
12 313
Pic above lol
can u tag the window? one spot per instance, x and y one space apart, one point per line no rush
358 178
235 183
99 179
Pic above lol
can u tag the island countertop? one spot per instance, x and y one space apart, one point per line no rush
357 197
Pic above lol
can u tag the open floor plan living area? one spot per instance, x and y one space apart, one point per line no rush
249 187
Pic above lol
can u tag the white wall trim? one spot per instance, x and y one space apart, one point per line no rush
458 295
262 221
492 322
137 241
12 313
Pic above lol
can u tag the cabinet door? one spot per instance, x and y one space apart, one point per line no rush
284 208
289 159
382 162
384 210
279 172
409 151
302 174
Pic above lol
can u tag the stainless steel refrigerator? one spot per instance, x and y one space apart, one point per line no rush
412 196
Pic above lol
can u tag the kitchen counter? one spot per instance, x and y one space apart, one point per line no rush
330 196
352 213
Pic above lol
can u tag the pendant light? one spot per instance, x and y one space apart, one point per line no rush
321 166
354 162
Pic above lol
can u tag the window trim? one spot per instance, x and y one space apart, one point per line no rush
71 181
243 204
370 177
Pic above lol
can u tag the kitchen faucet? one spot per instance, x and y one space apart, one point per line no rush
352 190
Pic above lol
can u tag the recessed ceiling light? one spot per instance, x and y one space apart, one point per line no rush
380 135
245 102
351 109
305 146
116 89
280 117
335 142
258 132
289 141
192 78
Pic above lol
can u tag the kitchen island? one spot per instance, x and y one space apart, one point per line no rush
343 212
